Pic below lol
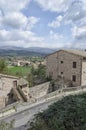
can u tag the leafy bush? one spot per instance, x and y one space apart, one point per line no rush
67 114
2 65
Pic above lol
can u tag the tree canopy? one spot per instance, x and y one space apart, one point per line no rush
2 65
67 114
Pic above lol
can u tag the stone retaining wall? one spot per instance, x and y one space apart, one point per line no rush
59 94
40 90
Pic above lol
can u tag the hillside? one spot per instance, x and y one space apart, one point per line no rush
67 114
20 51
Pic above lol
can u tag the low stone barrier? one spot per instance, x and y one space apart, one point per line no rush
59 94
39 90
6 111
22 94
64 90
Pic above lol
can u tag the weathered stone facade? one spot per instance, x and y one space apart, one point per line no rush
39 90
2 101
12 89
83 80
61 63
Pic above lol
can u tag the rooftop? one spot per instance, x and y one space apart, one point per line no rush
77 52
81 53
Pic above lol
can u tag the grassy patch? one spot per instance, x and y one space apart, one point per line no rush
19 71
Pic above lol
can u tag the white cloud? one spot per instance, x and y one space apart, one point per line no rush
54 5
56 40
31 22
84 4
56 23
79 34
27 38
19 36
55 36
83 21
78 20
17 20
16 27
14 20
75 15
13 5
75 12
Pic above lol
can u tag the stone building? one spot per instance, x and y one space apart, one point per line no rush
20 90
6 84
13 89
69 64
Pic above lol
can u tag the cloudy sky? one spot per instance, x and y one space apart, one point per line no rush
43 23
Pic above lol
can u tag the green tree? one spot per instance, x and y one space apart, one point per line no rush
30 79
39 74
7 126
2 65
67 114
41 71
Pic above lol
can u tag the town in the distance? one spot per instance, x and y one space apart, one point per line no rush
31 82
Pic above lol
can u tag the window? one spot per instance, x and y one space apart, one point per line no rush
74 64
62 62
74 78
61 72
84 58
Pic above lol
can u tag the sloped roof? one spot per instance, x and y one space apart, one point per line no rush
77 52
81 53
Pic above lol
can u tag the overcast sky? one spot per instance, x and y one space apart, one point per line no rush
43 23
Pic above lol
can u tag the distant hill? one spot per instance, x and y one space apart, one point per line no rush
10 48
41 50
14 51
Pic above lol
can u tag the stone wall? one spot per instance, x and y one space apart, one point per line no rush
51 63
6 83
83 80
55 67
2 101
40 90
22 94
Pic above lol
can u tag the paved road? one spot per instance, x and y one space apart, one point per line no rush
21 118
24 116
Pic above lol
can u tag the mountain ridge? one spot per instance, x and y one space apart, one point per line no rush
9 50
